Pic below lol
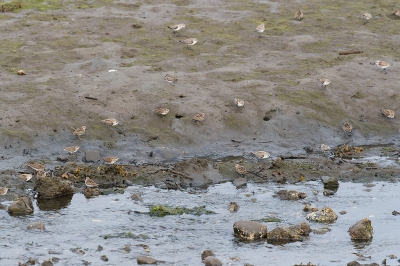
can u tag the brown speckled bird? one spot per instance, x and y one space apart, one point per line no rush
199 117
240 169
387 112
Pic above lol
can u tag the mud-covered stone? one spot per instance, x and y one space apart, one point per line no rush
250 230
21 205
330 182
52 187
146 260
212 261
289 234
325 215
240 182
291 195
36 225
136 197
362 230
92 156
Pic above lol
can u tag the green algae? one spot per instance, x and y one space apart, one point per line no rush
163 210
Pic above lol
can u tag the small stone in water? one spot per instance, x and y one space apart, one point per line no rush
104 258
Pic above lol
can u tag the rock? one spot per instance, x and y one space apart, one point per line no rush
206 253
146 260
355 263
289 234
136 197
291 195
63 159
326 215
212 261
330 182
240 182
21 205
52 187
91 192
47 263
309 208
250 230
104 258
395 213
37 225
92 156
233 207
343 212
362 230
99 248
328 192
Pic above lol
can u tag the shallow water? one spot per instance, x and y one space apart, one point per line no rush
82 223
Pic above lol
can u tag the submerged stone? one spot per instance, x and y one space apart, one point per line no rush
146 260
36 225
326 215
291 195
212 261
21 205
330 182
250 230
206 253
289 234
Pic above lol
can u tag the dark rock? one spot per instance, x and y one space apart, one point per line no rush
291 195
326 215
21 205
240 182
301 229
343 212
92 156
233 207
206 253
250 230
330 182
321 231
91 192
36 225
63 159
47 263
362 230
52 187
104 258
289 234
395 213
136 197
212 261
99 248
146 260
308 149
355 263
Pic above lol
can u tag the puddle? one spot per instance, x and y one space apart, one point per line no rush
77 226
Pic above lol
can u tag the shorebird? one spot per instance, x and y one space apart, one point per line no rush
110 160
37 166
71 149
239 102
79 131
3 191
21 72
198 118
241 170
177 27
325 148
388 113
40 174
366 17
262 154
397 12
110 122
298 15
347 127
90 183
25 177
189 42
324 82
171 78
260 29
382 64
161 111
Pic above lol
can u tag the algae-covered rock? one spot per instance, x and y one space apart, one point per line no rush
21 205
52 187
250 230
325 215
289 234
212 261
362 230
330 182
291 195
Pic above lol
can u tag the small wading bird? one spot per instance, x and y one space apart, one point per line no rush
170 78
261 154
382 64
79 131
110 122
161 111
397 13
199 118
90 183
298 15
324 82
240 169
25 177
366 17
388 113
3 191
177 27
239 102
260 29
347 127
325 148
189 42
71 149
110 160
37 166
